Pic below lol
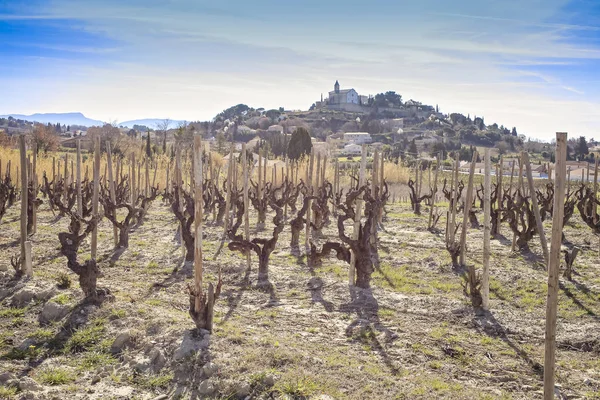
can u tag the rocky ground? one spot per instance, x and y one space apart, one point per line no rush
413 336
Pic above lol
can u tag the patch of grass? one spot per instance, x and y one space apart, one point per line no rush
299 387
154 302
95 359
17 321
63 280
154 382
13 312
116 313
41 335
55 376
7 392
15 353
86 338
62 299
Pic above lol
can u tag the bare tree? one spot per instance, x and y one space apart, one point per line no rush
163 127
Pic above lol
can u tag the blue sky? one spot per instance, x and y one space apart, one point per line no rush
532 64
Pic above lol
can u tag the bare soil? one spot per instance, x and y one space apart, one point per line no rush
414 335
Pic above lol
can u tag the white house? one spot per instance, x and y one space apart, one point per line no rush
358 137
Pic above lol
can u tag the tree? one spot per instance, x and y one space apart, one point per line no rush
163 127
581 149
221 142
514 131
412 148
300 144
45 138
148 146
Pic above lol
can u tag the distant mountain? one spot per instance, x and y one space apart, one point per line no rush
151 123
74 118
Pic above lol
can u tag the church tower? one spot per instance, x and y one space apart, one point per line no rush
336 87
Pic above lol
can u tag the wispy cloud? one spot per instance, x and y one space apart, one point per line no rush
194 58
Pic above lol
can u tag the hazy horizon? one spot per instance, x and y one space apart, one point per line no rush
529 64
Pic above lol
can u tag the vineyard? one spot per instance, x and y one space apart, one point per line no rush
210 276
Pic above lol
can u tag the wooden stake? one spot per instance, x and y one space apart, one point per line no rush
595 207
198 202
435 180
309 186
34 182
357 214
534 205
454 206
500 195
78 184
512 174
132 179
467 210
487 230
229 194
246 201
94 244
111 188
554 264
26 266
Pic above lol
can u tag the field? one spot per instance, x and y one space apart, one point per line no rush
413 335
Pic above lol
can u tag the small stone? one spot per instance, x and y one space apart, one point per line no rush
206 388
161 397
243 389
209 369
190 345
157 358
122 341
26 383
53 312
23 297
96 379
269 380
6 376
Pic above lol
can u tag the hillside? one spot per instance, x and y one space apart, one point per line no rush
74 118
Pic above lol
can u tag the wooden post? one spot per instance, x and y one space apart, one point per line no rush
467 210
595 206
111 188
374 174
454 201
78 177
179 188
147 178
94 244
554 264
309 186
139 182
26 266
512 174
534 205
500 195
133 181
487 230
260 162
229 186
287 180
318 172
66 178
34 184
198 221
357 214
246 201
435 180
